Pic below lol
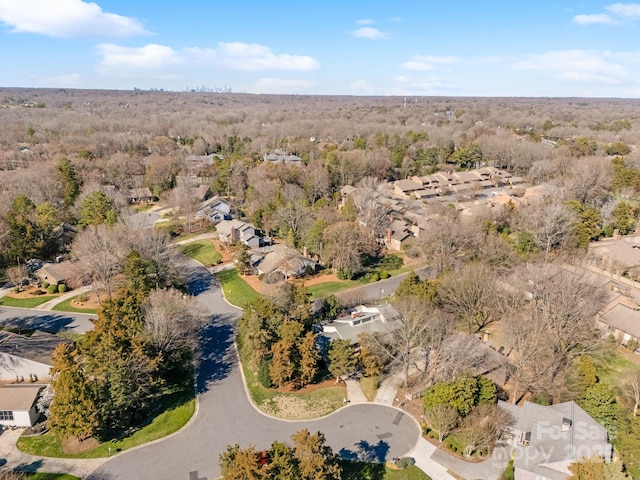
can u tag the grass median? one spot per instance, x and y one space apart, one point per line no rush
236 290
67 307
166 423
26 302
203 251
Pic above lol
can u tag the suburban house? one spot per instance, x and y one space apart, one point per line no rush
621 321
139 195
25 358
548 439
362 319
230 232
397 235
57 273
619 254
280 156
287 261
18 405
214 209
404 188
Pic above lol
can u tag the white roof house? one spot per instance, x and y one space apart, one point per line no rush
376 319
18 405
551 438
214 209
22 356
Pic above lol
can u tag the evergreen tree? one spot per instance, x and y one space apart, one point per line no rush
66 173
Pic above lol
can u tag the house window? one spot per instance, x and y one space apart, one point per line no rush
6 415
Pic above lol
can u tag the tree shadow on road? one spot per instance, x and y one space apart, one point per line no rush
218 354
52 322
366 452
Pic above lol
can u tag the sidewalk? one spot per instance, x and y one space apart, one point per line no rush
52 303
421 453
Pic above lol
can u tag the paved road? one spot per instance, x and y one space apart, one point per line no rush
226 416
49 321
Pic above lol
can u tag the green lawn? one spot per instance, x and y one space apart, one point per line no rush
203 251
66 307
324 289
28 302
167 422
293 406
610 369
377 471
236 290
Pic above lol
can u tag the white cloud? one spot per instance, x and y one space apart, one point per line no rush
277 85
602 18
423 63
369 33
579 66
618 14
66 19
365 21
628 10
362 87
251 57
131 62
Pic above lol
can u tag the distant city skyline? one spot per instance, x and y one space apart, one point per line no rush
406 48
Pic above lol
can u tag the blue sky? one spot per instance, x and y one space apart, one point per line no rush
350 47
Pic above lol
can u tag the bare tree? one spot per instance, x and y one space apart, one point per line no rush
16 275
469 293
482 428
458 354
446 240
551 223
531 360
442 418
631 388
173 320
100 254
565 305
345 244
370 212
185 198
416 335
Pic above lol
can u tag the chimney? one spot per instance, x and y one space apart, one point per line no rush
389 232
616 234
485 336
305 252
234 236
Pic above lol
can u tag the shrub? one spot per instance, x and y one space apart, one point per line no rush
345 274
405 462
543 398
45 285
38 292
62 288
384 274
375 277
264 377
52 289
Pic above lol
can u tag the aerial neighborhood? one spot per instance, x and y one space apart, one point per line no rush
252 286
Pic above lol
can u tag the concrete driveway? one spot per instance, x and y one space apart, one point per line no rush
226 416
